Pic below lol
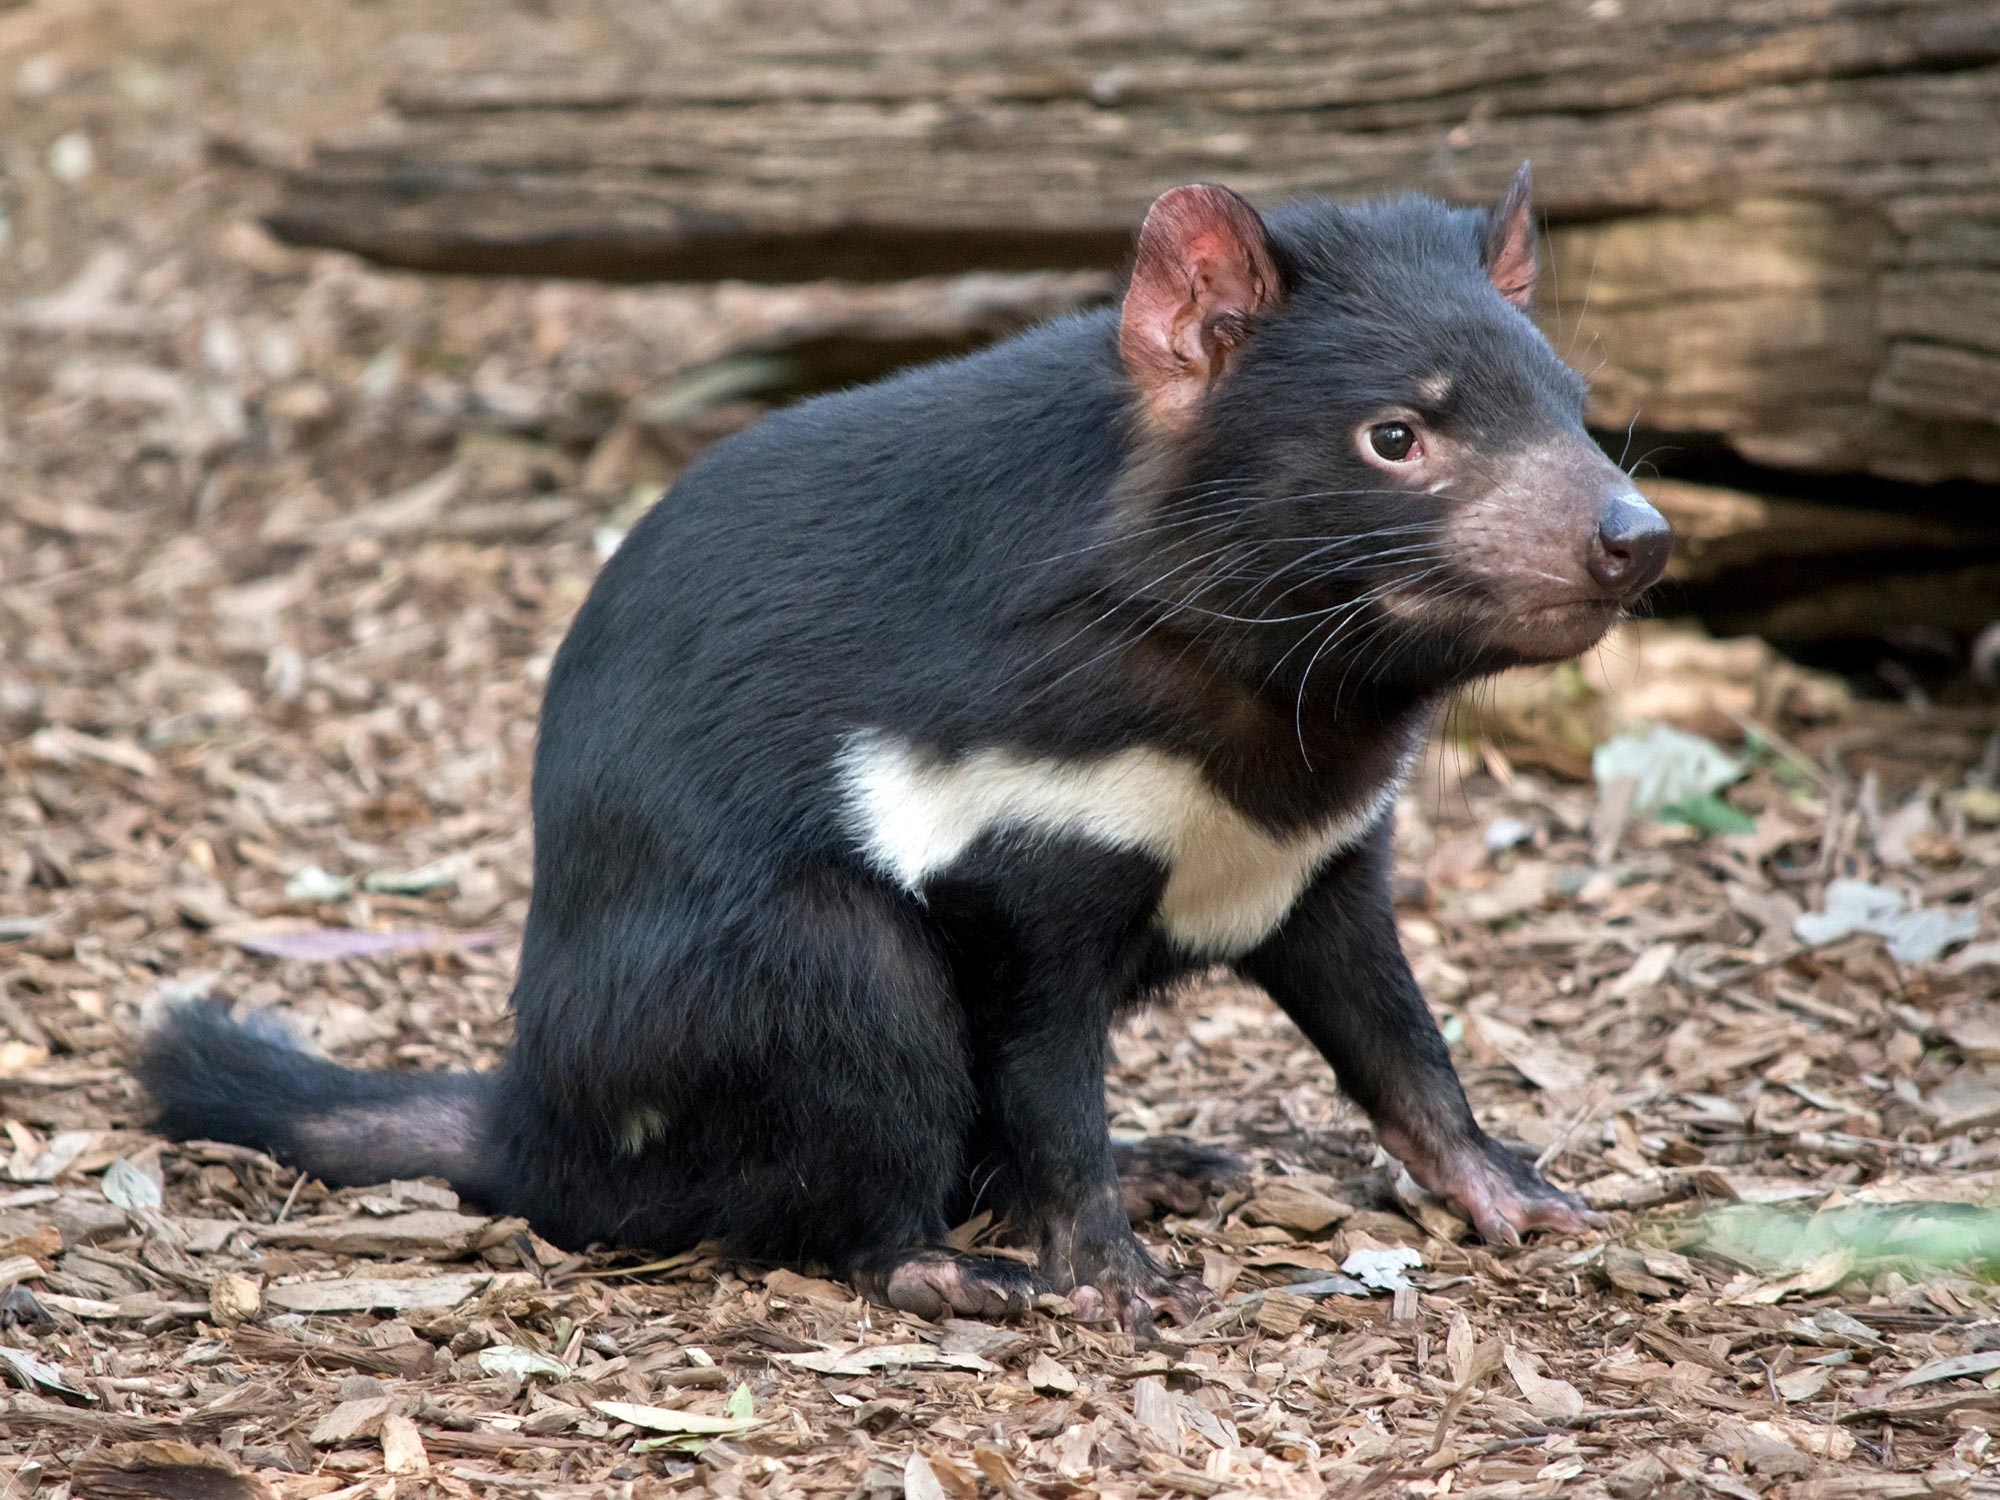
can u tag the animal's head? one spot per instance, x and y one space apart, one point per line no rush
1366 454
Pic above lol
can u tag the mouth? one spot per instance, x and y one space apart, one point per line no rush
1566 628
1570 608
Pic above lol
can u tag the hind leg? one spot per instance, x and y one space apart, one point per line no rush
1166 1174
799 1091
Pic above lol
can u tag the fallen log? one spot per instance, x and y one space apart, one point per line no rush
1776 222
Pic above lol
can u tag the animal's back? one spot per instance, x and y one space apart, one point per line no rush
857 558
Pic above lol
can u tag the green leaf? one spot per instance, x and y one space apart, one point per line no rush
742 1405
1710 814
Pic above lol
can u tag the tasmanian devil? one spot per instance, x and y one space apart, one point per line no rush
923 728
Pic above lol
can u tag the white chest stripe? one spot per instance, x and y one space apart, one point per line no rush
1229 881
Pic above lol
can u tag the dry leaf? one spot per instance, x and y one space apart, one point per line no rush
513 1359
1804 1383
1294 1205
666 1419
1544 1061
920 1481
372 1294
1153 1409
789 1284
1955 1368
1548 1396
1819 1274
864 1359
30 1373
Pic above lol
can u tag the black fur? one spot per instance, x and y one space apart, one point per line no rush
995 551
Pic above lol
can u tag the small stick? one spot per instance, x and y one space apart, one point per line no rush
290 1198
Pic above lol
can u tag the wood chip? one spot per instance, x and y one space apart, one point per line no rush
430 1233
403 1446
1281 1313
164 1470
1049 1377
350 1421
369 1293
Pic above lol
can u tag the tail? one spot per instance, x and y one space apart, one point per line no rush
213 1079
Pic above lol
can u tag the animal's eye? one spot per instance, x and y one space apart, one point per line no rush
1394 441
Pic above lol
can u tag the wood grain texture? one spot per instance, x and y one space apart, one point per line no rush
1786 213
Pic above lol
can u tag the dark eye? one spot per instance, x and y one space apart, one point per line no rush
1395 441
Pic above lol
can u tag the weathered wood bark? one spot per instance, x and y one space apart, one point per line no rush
1808 572
1775 221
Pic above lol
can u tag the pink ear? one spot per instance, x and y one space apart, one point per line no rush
1202 272
1510 242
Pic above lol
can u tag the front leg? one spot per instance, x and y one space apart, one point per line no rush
1046 944
1336 966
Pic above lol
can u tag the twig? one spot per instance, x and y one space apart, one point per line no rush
1827 781
290 1198
1586 1112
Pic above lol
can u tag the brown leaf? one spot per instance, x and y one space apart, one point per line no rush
1548 1396
404 1360
1290 1204
791 1285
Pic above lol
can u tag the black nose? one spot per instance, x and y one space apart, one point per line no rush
1630 549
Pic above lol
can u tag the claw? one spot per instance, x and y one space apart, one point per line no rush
1135 1306
1501 1194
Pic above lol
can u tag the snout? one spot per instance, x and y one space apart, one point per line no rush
1629 551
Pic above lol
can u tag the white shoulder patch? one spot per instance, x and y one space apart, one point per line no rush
1229 881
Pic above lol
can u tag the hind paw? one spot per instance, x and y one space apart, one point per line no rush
1171 1174
933 1284
1115 1279
1136 1303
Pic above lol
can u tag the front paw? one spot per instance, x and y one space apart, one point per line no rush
1504 1196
